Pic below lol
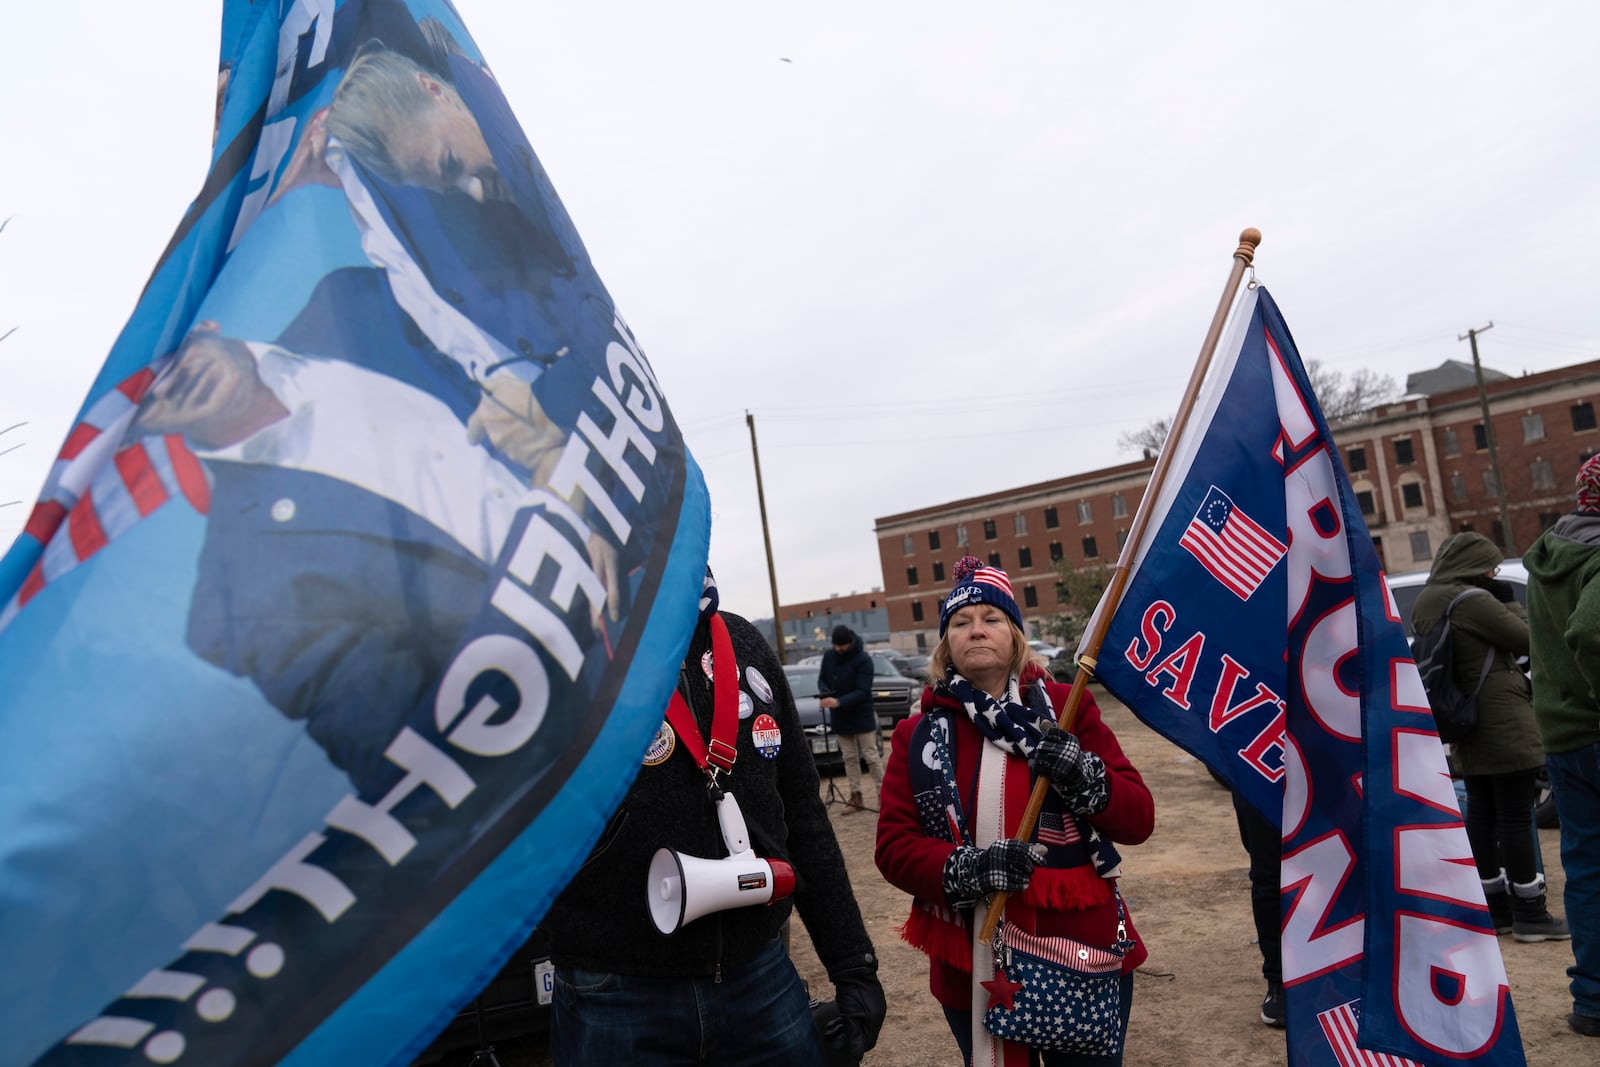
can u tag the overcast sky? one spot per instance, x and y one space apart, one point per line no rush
935 249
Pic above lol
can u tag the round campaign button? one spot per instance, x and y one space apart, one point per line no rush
705 664
661 746
767 737
758 685
747 707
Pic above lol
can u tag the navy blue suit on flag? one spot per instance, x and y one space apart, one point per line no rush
357 589
1257 632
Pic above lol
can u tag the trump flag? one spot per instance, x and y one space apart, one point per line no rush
1257 632
356 591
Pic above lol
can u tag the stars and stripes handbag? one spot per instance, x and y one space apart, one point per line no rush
1057 994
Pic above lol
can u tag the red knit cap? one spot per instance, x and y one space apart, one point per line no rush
1589 485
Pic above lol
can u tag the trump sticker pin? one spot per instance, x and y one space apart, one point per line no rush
766 736
758 685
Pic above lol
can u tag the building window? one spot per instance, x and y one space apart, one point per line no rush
1024 558
1498 531
1019 524
1365 502
1411 495
1548 519
1090 550
961 536
908 546
1450 442
1119 506
1122 539
1377 546
1532 428
1480 437
1421 545
989 532
1051 521
1357 459
1458 487
911 576
1085 512
1489 482
916 611
1543 474
1583 416
933 540
1403 452
1055 552
994 560
938 572
1030 597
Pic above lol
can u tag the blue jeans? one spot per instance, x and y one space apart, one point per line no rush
960 1020
758 1013
1576 778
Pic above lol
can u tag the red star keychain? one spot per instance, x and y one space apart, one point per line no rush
1002 990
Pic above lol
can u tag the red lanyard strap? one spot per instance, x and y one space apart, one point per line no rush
723 749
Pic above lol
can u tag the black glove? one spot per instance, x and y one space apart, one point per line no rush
1078 776
1004 867
1502 591
859 997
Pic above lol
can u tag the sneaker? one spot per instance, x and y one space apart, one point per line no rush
1587 1025
1272 1005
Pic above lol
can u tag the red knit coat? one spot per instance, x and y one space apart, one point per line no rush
1075 903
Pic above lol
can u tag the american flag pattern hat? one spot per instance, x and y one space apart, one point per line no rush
977 583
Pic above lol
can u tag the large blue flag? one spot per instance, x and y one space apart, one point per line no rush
1257 632
356 593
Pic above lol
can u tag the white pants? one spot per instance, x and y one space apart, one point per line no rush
855 747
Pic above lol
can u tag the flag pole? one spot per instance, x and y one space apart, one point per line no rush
1242 258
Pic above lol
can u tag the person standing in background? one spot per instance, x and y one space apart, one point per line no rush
846 681
1564 634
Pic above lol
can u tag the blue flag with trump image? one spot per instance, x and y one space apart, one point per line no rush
358 587
1256 631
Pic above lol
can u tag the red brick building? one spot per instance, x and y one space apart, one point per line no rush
1419 466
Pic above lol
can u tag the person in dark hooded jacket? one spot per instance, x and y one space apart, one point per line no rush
846 678
1564 628
1499 760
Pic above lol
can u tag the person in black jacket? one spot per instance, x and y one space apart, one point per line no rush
720 989
846 681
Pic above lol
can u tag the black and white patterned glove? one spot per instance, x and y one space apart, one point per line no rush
1004 867
1078 776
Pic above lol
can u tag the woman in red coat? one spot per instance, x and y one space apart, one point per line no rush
946 835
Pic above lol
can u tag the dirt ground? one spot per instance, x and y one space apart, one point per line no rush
1195 999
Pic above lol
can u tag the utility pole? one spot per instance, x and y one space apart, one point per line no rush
766 538
1508 539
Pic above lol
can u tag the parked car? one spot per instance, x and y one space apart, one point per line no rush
1046 649
894 695
815 722
915 668
1405 589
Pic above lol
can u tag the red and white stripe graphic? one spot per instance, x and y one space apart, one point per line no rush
1339 1027
1233 548
135 482
87 450
1057 829
995 577
1062 950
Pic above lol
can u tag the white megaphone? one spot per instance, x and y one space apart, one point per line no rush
683 888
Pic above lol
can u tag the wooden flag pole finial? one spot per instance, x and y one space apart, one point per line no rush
1249 240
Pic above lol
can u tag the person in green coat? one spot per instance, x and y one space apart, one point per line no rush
1564 625
1500 759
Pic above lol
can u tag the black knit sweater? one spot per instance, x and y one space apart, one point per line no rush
601 921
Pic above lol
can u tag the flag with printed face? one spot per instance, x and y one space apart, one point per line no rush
1257 632
356 591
